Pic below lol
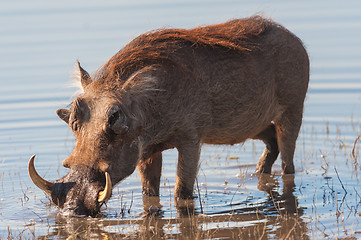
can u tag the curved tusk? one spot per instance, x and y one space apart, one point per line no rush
105 194
37 180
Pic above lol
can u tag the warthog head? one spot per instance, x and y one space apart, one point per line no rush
105 152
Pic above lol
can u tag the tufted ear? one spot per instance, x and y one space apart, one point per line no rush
85 78
64 114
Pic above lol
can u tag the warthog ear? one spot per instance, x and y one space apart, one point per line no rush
118 122
64 114
85 78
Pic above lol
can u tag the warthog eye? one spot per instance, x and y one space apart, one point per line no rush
113 118
118 122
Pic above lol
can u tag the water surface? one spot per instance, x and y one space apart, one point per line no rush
40 42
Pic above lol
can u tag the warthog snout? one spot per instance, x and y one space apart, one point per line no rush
81 192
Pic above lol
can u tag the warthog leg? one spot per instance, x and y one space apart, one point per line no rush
150 172
187 169
270 153
287 128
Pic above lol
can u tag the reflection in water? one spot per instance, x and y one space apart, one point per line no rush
285 203
289 222
276 217
152 207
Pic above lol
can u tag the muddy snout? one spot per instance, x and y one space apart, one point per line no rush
76 199
81 192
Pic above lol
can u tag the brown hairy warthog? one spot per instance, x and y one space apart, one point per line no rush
177 88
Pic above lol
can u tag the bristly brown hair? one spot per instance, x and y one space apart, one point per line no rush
156 46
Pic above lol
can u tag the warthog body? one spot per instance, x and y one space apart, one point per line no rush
176 88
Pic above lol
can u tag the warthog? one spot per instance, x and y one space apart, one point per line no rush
177 88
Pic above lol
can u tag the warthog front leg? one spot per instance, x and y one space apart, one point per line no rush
150 172
187 169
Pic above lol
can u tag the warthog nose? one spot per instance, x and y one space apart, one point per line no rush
74 212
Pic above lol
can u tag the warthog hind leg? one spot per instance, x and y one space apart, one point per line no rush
270 153
287 128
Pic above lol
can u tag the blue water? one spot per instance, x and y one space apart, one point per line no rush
41 40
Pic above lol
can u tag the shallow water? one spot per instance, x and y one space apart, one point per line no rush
40 42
